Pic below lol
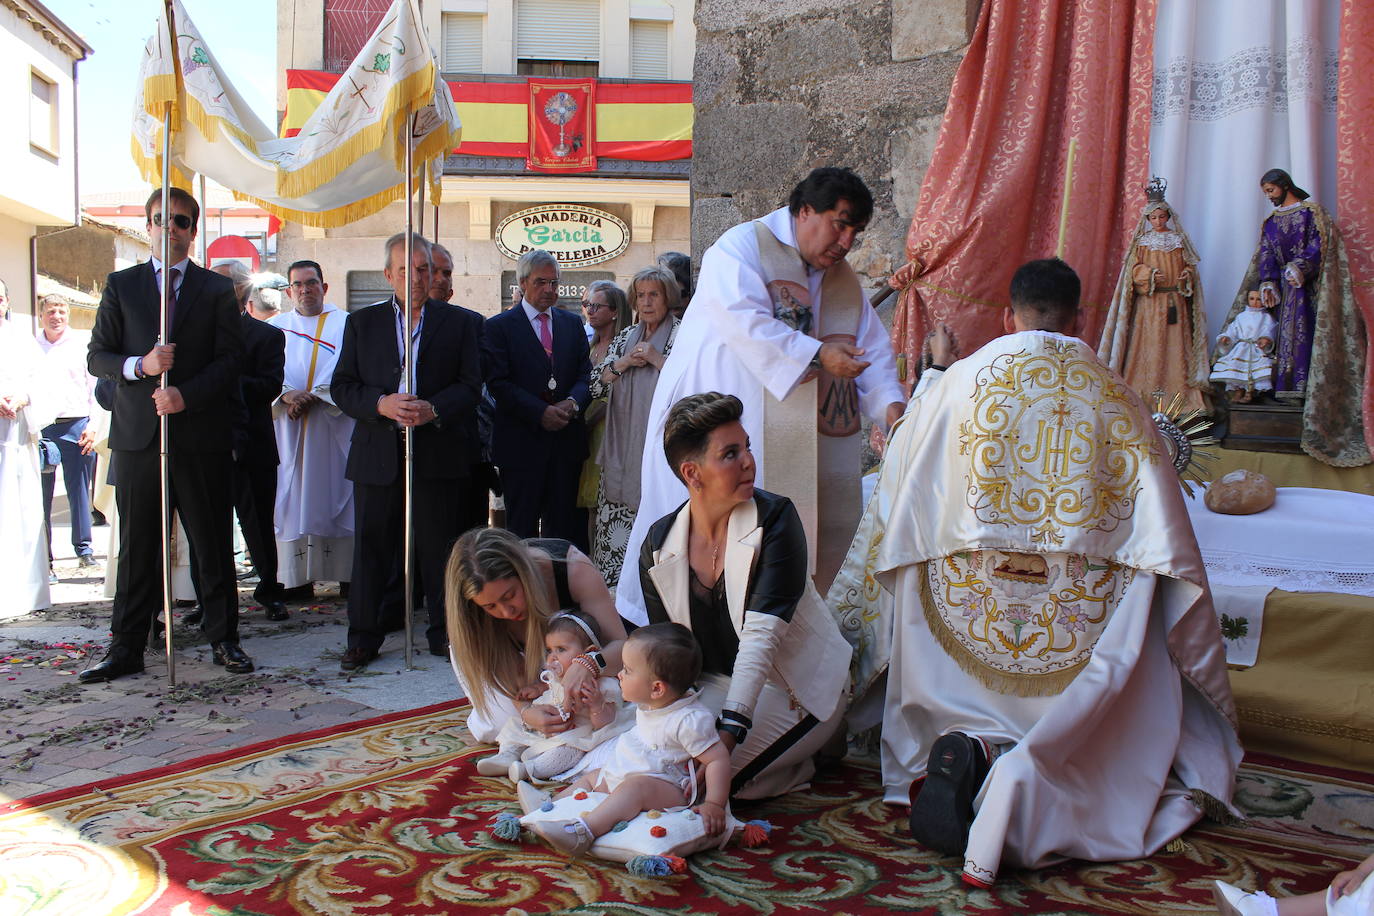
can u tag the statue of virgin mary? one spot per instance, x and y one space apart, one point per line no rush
1155 334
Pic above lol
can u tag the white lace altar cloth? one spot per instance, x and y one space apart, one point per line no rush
1309 541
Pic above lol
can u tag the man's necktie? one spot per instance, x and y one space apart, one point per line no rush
545 336
172 298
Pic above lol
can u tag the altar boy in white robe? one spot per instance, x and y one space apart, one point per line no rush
779 320
314 511
1027 573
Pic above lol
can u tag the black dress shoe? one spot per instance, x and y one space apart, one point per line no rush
304 592
231 657
194 618
353 659
86 561
439 650
156 632
98 518
275 610
116 663
943 811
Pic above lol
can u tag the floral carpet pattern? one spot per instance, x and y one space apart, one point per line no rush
388 816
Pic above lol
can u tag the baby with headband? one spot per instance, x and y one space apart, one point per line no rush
598 711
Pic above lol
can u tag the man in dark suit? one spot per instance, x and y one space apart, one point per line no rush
483 475
255 445
369 386
202 359
537 367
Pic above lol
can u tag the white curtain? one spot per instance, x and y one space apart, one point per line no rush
1240 87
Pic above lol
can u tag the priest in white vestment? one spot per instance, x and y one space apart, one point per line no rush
314 511
1027 574
25 408
779 320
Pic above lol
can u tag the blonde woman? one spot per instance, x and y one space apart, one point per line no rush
627 376
502 592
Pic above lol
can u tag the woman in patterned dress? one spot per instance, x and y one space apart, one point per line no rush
608 313
627 377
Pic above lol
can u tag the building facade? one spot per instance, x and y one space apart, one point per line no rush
506 42
38 66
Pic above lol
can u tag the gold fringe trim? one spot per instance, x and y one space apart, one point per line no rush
1178 846
1269 719
210 125
158 90
1215 809
151 168
414 91
329 219
1006 683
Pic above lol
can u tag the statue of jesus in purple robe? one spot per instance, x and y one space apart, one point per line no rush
1290 258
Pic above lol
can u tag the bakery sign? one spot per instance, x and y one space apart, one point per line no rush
576 236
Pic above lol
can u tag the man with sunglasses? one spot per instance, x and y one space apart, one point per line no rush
203 358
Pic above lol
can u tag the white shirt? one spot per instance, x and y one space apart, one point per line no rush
180 267
533 314
73 386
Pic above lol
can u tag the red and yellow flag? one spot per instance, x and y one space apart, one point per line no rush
649 122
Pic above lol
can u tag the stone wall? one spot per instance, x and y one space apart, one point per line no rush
784 86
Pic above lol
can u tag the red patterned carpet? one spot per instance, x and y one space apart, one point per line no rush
388 816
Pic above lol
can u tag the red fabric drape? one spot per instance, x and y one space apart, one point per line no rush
1355 173
1036 74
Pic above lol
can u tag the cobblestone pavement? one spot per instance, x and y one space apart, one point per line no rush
59 733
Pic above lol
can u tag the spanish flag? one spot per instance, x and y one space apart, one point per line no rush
649 122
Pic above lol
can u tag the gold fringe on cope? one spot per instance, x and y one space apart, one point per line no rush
411 93
1004 682
1178 846
1215 809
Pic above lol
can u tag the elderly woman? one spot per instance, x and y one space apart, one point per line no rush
731 564
627 377
608 313
502 591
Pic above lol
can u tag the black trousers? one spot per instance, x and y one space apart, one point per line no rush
255 498
543 503
376 597
202 499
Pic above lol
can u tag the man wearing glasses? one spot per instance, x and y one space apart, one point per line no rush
314 512
202 358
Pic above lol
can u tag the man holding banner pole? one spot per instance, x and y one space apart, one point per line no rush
370 386
200 362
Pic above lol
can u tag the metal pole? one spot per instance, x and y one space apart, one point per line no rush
408 368
163 440
204 225
420 207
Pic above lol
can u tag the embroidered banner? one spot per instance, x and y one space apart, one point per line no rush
647 122
562 125
347 159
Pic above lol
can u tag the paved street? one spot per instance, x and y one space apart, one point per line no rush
59 733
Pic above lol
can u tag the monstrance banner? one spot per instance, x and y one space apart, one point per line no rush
562 125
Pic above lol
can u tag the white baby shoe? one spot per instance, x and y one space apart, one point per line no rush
1232 901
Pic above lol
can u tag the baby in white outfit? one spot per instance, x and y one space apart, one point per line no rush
653 765
598 714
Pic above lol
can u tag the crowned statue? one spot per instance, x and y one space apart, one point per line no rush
1300 271
1155 333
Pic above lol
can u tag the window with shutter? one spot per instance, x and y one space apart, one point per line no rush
558 37
462 43
649 49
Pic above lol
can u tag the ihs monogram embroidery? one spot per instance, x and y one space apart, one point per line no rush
1053 446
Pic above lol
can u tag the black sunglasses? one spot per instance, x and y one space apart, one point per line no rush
180 220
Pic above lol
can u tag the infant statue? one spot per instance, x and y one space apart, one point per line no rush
1247 365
